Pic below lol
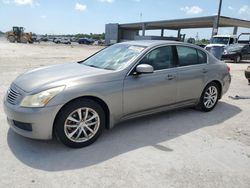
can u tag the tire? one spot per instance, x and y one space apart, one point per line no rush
237 59
68 132
11 39
204 104
24 40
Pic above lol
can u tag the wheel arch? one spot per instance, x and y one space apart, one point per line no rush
94 98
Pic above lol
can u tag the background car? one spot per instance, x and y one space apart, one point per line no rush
85 41
120 82
219 42
44 39
34 37
62 40
237 52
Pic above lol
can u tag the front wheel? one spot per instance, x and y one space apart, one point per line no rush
237 59
24 40
12 39
209 97
80 123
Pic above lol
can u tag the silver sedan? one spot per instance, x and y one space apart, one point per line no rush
76 101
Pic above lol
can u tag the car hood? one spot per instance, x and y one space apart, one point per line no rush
234 48
215 45
39 77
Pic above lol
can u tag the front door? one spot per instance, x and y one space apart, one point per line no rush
148 91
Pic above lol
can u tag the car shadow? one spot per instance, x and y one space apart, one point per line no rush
125 137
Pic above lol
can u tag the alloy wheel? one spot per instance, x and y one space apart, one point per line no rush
82 124
210 97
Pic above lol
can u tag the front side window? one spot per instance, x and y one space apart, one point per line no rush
231 41
160 58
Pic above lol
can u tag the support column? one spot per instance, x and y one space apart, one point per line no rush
143 29
162 32
235 30
216 23
215 28
179 34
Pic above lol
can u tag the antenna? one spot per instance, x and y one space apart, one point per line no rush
197 36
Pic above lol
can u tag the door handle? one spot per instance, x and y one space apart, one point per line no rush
170 77
204 70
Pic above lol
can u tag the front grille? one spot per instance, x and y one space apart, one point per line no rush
13 95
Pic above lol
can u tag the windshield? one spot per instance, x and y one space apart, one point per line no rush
114 57
220 40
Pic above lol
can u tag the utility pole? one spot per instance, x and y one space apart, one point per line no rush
217 22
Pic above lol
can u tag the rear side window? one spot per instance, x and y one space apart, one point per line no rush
190 56
187 56
202 57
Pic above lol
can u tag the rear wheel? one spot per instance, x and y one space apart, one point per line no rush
209 97
80 123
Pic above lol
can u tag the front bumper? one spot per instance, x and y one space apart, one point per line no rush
228 56
40 119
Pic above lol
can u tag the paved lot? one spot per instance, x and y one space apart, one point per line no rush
182 148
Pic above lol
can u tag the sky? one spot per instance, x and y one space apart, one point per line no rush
90 16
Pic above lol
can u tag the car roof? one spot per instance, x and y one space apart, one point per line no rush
153 43
149 43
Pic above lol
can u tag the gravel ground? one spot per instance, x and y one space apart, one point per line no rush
181 148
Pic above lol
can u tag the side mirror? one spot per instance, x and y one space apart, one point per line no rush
144 69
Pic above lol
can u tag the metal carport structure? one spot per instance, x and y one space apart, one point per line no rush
130 31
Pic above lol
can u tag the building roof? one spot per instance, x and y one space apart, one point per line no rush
187 23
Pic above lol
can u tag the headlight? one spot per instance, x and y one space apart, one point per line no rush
225 52
42 98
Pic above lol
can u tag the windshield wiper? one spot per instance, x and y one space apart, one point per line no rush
108 69
92 66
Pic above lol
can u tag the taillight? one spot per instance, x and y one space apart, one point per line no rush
228 68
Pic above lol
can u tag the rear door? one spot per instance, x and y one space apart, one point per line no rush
192 72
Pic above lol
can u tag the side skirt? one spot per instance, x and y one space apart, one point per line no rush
182 104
